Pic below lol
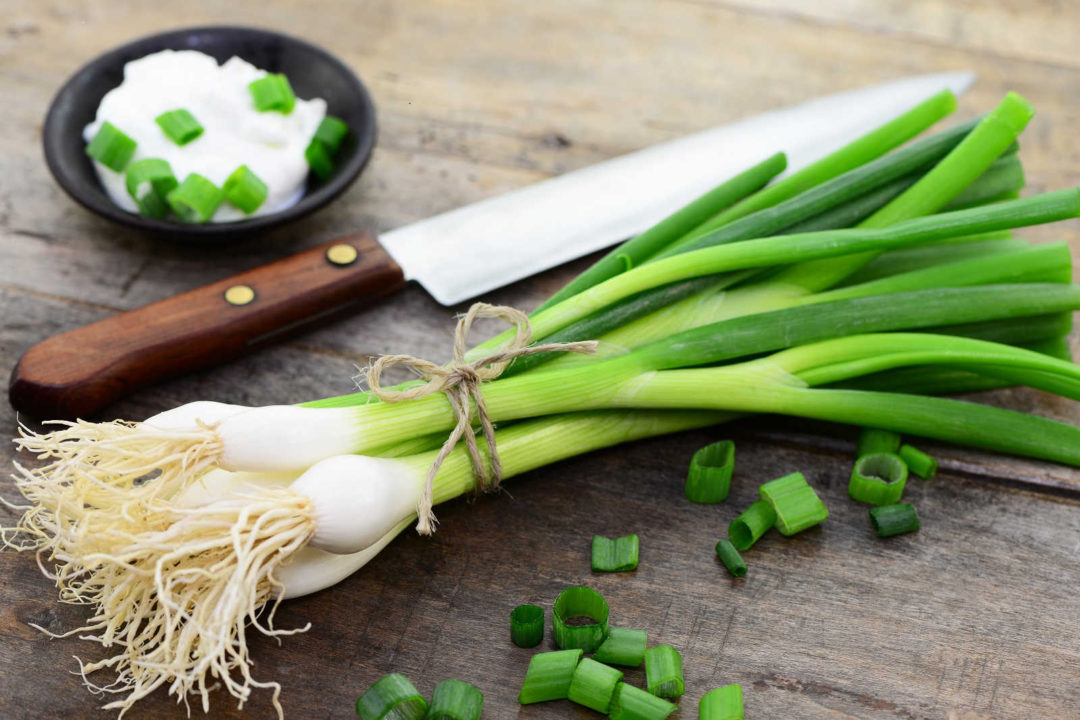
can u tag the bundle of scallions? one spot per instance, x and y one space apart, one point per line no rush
852 291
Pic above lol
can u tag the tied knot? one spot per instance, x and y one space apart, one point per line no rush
461 382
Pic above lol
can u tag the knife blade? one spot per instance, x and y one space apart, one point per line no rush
455 256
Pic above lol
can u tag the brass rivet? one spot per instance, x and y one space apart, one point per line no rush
239 295
342 254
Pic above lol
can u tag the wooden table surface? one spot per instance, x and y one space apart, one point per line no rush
976 616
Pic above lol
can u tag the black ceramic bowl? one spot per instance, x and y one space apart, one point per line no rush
313 72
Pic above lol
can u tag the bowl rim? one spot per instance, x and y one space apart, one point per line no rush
101 204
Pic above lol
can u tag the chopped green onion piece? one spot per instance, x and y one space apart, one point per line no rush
872 440
318 159
548 676
622 646
889 520
796 504
149 182
196 199
728 555
111 147
878 479
331 132
579 601
663 671
745 530
455 700
392 697
527 625
723 703
631 703
180 125
273 92
709 479
616 555
244 189
918 462
593 685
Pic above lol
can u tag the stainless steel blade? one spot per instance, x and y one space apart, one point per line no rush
465 252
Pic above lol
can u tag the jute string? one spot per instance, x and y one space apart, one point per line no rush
461 382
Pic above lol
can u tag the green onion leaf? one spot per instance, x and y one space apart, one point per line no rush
593 685
318 159
180 125
745 530
548 676
622 646
889 520
579 601
273 92
663 671
527 625
723 703
616 555
631 703
878 479
918 462
111 147
245 189
196 199
149 182
728 555
872 440
392 697
455 700
796 504
331 132
709 479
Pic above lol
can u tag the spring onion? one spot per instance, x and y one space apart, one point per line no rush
722 703
622 646
319 160
725 550
455 700
593 685
889 520
663 671
527 625
878 478
196 199
618 555
632 703
111 147
745 530
273 93
918 462
392 697
796 504
872 440
245 190
180 125
149 182
549 676
331 132
709 477
579 601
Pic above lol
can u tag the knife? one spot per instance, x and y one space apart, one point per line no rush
455 256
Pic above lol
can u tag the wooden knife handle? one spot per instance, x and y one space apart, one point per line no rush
78 373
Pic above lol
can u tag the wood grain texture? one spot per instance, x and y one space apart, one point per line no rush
976 617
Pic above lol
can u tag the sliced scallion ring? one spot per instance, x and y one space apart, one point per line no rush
723 703
622 646
331 132
663 671
632 703
149 181
796 504
527 625
872 440
618 555
273 93
889 520
579 601
728 555
918 462
111 147
392 697
593 685
549 676
318 159
245 189
878 479
745 530
455 700
709 478
195 199
180 125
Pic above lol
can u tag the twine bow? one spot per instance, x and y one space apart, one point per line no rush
461 382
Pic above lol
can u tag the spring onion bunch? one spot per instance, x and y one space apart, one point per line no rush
889 266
